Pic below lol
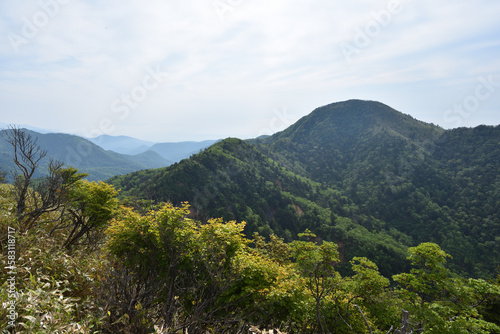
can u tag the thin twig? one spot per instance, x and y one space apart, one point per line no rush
366 321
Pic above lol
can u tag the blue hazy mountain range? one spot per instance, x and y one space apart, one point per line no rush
171 151
101 157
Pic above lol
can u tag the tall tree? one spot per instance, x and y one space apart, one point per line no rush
316 263
439 303
47 194
27 156
89 206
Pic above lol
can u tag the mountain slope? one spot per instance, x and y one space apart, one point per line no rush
84 155
235 181
356 172
428 183
341 139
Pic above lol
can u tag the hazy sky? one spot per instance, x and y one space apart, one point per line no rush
172 70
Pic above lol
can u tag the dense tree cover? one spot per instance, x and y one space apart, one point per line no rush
46 287
357 219
442 304
358 173
430 184
234 181
162 271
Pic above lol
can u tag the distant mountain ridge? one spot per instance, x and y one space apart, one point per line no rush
84 155
28 127
171 151
181 150
122 144
356 172
104 156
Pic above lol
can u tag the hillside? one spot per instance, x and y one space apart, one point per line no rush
235 181
431 184
356 172
349 138
84 155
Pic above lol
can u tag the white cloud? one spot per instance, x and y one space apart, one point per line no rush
226 74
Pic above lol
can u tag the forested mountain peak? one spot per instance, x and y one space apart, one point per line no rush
344 138
353 119
359 173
